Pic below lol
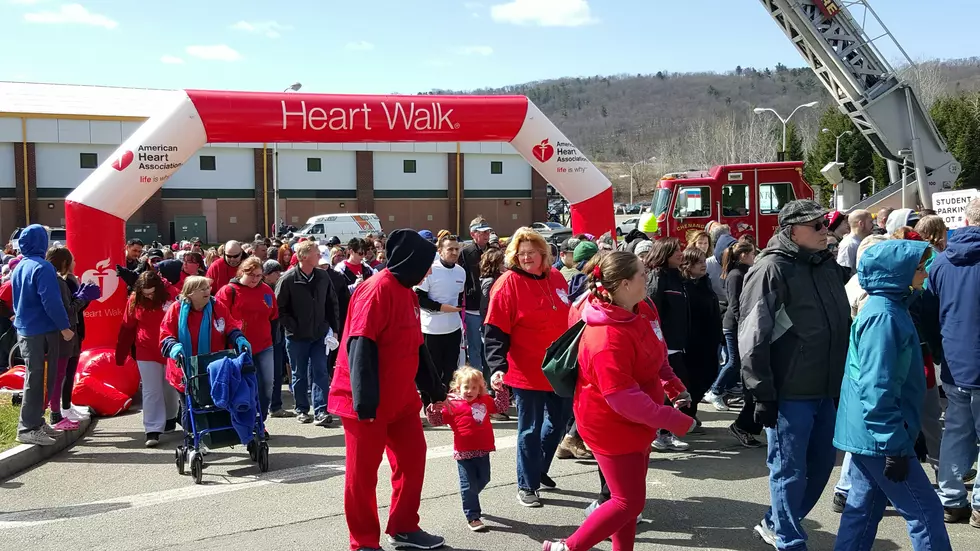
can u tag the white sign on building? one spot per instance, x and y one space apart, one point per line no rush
951 205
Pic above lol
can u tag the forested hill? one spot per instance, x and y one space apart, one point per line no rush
621 117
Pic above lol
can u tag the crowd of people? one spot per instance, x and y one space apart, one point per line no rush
841 333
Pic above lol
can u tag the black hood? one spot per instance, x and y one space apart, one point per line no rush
170 269
634 235
409 256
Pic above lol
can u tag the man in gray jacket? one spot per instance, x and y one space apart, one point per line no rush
793 338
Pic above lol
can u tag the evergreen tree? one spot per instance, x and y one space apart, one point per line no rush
794 144
958 120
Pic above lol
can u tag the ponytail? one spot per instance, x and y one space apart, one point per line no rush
733 255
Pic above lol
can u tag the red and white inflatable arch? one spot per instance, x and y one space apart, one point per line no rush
97 210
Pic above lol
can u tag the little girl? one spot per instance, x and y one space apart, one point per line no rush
467 411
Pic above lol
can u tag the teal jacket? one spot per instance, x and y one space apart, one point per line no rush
884 382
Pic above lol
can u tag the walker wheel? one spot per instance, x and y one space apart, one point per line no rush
263 457
197 467
181 459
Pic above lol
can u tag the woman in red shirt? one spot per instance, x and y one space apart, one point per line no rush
528 311
141 323
195 324
253 304
619 399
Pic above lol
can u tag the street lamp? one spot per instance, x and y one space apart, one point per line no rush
633 166
837 147
275 173
760 110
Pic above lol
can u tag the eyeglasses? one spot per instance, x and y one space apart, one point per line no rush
239 255
528 254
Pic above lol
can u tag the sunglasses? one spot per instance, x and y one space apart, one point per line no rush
817 225
239 255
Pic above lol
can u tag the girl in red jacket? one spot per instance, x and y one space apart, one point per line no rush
467 411
619 398
141 325
253 304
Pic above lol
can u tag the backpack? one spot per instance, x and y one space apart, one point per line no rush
560 363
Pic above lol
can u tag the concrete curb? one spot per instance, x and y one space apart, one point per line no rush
25 456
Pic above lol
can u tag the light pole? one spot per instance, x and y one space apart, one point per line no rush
837 146
633 166
275 173
760 110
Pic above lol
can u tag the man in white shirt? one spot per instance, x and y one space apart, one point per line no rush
861 225
440 296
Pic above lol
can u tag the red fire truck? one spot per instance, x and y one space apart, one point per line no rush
747 197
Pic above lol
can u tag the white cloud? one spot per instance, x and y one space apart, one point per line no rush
218 52
474 50
544 13
171 60
74 14
271 29
360 45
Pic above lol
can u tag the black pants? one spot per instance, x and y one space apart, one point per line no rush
69 384
746 417
444 350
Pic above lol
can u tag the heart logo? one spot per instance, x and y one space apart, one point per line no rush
107 279
543 151
219 325
123 161
479 412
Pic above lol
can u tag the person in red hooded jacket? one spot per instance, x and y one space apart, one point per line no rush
382 361
619 398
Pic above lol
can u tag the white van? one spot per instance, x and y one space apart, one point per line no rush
344 226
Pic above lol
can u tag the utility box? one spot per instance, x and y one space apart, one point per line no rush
187 227
145 232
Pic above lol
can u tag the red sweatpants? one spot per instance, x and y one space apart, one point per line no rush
404 442
626 476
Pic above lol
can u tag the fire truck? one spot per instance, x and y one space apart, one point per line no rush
747 197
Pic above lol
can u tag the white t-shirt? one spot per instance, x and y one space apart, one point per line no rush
847 251
444 286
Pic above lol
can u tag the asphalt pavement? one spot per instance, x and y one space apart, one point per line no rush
110 493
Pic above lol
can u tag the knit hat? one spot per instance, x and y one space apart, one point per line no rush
584 251
643 247
410 255
800 211
648 223
271 267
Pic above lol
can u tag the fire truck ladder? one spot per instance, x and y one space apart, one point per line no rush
869 90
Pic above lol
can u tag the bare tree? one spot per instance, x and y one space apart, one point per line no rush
927 79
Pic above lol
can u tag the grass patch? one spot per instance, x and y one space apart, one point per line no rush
8 425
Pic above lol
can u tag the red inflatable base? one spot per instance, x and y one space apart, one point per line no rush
102 385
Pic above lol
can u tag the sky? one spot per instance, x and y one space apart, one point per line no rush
410 46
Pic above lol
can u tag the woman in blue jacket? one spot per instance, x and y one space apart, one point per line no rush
880 410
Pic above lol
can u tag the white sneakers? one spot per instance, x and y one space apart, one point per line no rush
715 400
76 413
669 442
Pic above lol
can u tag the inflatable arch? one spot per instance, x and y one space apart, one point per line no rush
96 211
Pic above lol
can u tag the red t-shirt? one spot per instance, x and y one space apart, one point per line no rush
385 311
222 323
7 294
254 308
534 312
147 323
613 357
470 422
220 273
355 269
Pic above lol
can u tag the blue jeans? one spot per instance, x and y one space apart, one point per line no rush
474 475
843 485
801 459
914 499
730 372
958 451
308 359
265 373
278 364
541 418
474 342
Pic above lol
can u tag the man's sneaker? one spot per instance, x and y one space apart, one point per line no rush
668 442
548 482
36 436
952 515
323 420
477 525
554 546
717 401
417 540
840 501
528 498
304 417
66 424
743 437
50 431
765 532
152 439
281 413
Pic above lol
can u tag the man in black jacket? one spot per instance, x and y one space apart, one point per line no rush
469 259
308 311
793 338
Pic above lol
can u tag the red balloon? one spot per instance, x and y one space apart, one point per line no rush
13 378
102 398
100 363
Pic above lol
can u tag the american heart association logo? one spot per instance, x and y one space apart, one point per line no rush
105 277
543 151
123 161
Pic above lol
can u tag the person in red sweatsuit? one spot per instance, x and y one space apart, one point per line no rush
223 269
382 362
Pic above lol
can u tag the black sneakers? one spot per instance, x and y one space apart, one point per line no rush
417 540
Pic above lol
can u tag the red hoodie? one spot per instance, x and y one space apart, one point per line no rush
254 308
147 324
622 355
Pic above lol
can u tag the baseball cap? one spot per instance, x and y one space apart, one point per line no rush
154 253
480 225
427 235
800 211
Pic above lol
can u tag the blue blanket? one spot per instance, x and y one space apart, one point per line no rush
236 392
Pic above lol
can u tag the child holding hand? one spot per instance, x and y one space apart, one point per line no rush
467 411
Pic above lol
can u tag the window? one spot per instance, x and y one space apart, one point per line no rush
408 166
313 164
772 197
317 228
735 200
496 167
693 202
88 160
660 201
207 162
